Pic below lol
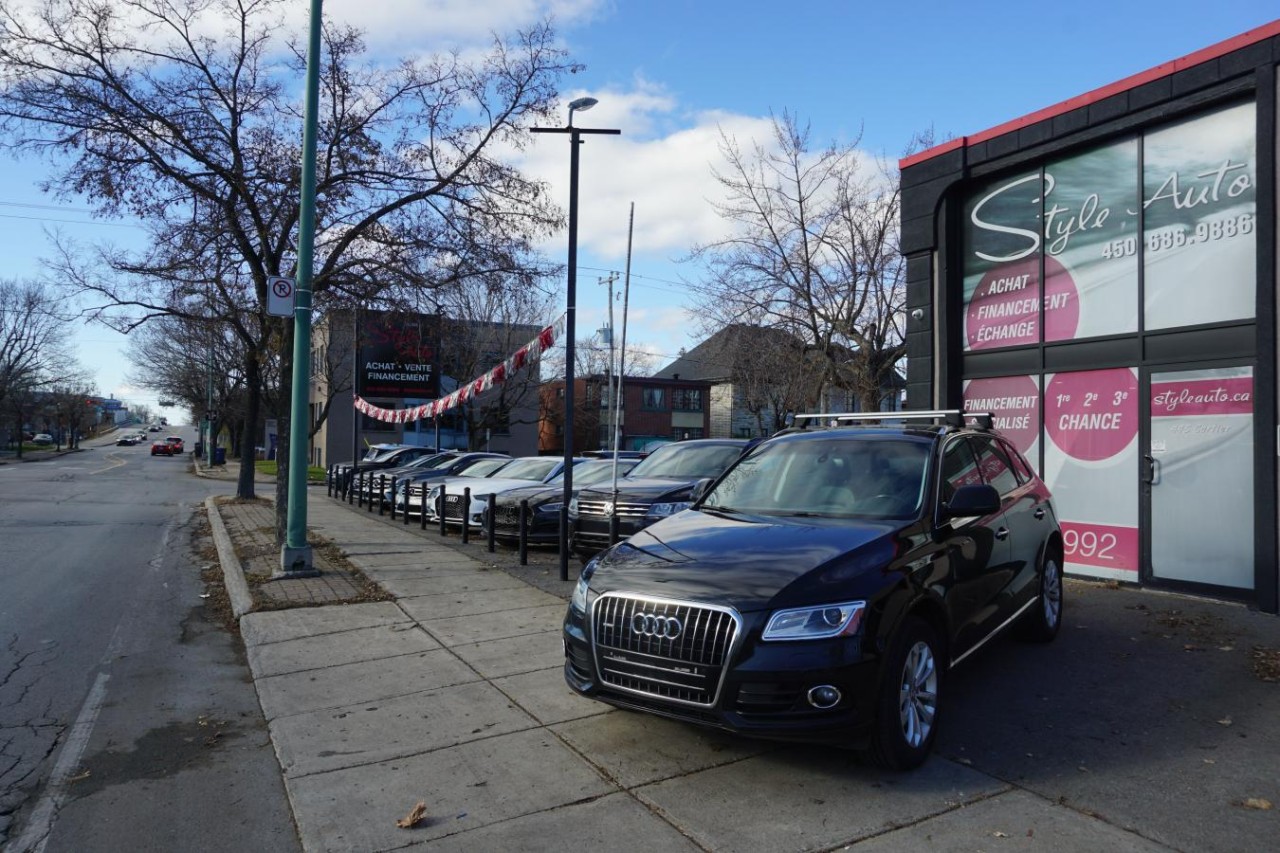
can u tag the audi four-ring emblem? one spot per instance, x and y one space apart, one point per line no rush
651 625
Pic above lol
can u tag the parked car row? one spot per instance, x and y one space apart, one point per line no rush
820 585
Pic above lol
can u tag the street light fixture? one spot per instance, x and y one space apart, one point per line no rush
571 283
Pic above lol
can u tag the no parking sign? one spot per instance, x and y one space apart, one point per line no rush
279 296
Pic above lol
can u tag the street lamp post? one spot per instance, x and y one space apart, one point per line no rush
575 134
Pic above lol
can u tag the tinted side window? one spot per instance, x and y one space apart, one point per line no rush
995 465
959 468
1021 465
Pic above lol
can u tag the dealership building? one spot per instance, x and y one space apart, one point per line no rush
1101 275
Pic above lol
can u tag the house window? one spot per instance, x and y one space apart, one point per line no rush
687 433
686 399
653 399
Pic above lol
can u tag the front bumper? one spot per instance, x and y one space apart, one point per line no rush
590 533
763 691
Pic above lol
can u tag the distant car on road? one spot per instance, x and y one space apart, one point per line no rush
175 441
163 448
42 438
126 441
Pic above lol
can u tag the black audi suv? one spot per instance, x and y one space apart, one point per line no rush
823 587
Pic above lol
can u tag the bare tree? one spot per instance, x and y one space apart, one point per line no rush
184 115
33 349
812 251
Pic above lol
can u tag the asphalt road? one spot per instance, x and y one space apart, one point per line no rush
127 719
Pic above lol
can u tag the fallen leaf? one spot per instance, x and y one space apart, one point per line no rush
85 775
999 834
1225 721
1209 761
412 819
1257 803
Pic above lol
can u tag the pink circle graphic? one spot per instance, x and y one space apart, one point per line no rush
1014 402
1004 310
1092 414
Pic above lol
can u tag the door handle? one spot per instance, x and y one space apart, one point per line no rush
1002 533
1151 470
1039 513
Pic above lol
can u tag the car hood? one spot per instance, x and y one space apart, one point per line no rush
645 488
482 485
751 562
532 494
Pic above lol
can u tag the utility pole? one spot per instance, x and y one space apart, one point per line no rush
296 556
612 443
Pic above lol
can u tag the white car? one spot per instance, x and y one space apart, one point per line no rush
42 438
516 474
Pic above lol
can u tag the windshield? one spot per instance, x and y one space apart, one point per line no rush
424 463
865 476
481 466
536 469
687 461
595 471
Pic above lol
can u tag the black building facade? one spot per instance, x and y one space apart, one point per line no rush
1102 276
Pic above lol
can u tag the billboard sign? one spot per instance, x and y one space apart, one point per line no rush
396 358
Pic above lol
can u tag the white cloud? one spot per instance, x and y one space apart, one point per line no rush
445 24
662 161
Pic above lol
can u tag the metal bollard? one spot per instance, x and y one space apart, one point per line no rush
328 481
393 498
422 508
440 508
490 536
360 488
524 533
382 487
349 484
466 515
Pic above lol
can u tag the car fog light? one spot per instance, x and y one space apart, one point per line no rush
824 696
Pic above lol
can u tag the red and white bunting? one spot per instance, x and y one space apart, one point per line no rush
526 356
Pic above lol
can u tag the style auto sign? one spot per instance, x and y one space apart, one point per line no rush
1004 308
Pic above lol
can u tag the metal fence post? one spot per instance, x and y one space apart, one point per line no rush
466 515
422 507
360 490
382 487
393 497
490 536
440 507
524 532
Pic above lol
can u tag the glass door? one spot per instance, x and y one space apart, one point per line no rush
1197 474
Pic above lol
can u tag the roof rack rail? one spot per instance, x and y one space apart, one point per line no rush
951 417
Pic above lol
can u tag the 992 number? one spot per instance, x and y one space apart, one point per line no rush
1097 546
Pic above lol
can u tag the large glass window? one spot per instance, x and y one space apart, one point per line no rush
1091 464
1199 204
1002 264
1091 243
686 399
1014 403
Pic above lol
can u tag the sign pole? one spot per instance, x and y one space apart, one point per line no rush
296 556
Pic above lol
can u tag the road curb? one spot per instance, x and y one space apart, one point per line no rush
232 572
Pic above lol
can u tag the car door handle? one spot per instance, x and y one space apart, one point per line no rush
1039 513
1002 533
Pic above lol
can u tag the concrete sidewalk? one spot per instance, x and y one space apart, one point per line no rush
453 696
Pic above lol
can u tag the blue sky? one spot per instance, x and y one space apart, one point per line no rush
672 74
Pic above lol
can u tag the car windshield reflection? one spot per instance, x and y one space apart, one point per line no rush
831 478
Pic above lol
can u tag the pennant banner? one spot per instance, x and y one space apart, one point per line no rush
527 356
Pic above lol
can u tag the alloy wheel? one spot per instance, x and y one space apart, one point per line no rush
918 694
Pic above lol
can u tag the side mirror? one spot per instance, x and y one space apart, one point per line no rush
979 499
700 488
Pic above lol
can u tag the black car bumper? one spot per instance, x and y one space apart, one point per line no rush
764 691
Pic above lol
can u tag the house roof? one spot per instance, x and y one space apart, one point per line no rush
713 358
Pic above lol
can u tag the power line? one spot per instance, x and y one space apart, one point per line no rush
69 221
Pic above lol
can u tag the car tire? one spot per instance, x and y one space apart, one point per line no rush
1042 622
910 698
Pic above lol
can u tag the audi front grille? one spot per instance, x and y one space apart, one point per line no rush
674 650
624 509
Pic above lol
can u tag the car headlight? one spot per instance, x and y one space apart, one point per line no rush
573 507
554 507
662 510
815 623
579 600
